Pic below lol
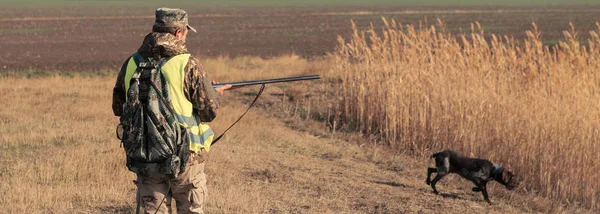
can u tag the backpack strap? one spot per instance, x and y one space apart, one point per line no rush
141 61
136 58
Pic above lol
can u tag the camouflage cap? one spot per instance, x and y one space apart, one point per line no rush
172 17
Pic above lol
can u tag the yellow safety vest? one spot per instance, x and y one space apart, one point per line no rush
200 135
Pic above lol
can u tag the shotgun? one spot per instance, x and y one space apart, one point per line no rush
267 81
258 82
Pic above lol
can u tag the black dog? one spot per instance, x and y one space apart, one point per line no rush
479 171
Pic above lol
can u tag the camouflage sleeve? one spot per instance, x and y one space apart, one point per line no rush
119 91
199 91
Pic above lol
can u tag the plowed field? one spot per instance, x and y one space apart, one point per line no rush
91 39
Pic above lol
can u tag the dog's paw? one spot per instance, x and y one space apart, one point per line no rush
427 182
436 192
476 189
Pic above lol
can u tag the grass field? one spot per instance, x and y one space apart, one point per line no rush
59 153
355 142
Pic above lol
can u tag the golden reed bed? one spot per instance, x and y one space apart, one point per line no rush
526 105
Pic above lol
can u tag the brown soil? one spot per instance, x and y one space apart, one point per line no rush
90 40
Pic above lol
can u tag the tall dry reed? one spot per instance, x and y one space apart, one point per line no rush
527 106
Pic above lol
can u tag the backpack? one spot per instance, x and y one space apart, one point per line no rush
154 141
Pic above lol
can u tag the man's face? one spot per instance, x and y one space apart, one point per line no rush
182 35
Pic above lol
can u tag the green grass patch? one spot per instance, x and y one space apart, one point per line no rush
24 31
553 42
34 73
487 28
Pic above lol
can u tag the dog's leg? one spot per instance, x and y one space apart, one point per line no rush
485 194
481 187
477 189
437 178
429 172
442 165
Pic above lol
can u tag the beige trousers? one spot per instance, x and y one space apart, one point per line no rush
188 189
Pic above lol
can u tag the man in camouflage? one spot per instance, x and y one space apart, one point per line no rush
167 39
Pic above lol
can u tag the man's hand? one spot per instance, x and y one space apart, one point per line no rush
220 89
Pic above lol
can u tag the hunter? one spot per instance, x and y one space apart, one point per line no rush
194 101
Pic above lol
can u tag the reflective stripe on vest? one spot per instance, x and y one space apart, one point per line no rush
201 135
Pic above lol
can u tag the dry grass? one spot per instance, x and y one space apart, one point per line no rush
56 138
527 106
59 153
58 150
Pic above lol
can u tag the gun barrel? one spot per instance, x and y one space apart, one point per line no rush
260 82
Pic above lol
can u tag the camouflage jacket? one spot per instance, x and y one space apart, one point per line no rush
197 85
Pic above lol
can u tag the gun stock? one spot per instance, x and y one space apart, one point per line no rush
267 81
